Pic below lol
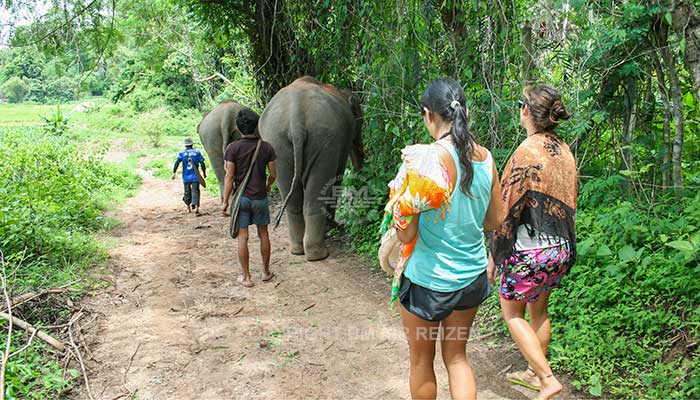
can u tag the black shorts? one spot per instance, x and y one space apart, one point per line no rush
436 306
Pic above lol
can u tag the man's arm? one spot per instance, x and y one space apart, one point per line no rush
177 164
204 166
228 183
273 175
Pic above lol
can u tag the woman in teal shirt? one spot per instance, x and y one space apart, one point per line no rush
445 278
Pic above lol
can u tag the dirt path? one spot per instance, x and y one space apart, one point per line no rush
176 326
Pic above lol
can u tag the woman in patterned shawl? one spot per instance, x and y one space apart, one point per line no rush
444 280
536 243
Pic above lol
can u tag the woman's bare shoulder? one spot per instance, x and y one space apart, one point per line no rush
480 153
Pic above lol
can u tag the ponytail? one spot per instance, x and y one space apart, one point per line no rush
445 97
465 143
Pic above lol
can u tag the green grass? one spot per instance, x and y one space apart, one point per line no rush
50 208
14 115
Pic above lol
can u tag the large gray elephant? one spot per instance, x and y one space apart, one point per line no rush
216 130
313 127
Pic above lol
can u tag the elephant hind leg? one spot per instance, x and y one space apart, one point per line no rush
316 197
297 227
294 210
314 243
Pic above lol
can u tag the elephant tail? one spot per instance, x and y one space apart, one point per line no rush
298 151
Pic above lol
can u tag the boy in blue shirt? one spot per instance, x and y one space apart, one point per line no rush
190 159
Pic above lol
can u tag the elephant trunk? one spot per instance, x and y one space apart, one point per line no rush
298 150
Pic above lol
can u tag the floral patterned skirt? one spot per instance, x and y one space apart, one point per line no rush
528 273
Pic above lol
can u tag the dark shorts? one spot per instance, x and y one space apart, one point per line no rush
436 306
254 212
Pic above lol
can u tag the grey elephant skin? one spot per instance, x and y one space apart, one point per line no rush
313 127
216 130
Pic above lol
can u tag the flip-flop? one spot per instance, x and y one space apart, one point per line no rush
272 276
240 282
517 378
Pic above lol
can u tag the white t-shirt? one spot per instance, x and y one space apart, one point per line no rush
539 241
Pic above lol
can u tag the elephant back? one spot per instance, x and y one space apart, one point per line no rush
310 100
224 114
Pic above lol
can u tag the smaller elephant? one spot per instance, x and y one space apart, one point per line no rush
216 131
313 127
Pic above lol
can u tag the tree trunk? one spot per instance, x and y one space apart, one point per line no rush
677 101
453 22
665 99
686 24
528 62
630 121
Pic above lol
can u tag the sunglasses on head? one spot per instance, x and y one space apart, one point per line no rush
522 103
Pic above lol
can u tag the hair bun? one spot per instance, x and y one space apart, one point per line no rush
558 112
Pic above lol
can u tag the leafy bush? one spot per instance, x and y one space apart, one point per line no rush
30 375
113 118
181 123
151 124
160 167
56 124
628 314
51 199
144 99
62 89
36 91
15 89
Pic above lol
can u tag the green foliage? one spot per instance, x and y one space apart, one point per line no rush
62 89
51 198
627 313
181 123
33 374
56 124
15 89
160 167
150 124
610 60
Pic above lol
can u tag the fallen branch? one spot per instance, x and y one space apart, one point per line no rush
128 367
73 320
484 336
46 338
26 345
23 298
83 342
6 352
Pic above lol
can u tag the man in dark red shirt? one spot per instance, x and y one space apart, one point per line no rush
254 208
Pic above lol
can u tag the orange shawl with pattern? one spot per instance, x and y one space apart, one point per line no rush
538 189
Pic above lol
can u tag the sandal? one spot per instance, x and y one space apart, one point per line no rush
524 379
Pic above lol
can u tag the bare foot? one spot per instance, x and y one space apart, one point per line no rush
525 378
550 387
196 210
189 210
245 282
267 276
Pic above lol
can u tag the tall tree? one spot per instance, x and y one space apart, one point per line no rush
266 24
685 21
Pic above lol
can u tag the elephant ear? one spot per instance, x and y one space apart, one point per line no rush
358 152
354 104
